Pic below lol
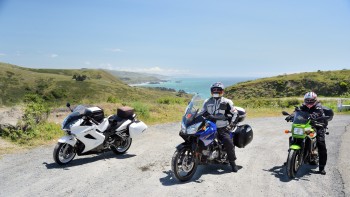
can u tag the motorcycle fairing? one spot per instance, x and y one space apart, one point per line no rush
68 139
207 136
89 136
124 125
295 147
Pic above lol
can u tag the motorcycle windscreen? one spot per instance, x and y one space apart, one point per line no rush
243 136
301 117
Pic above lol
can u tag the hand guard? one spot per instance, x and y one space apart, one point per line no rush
289 118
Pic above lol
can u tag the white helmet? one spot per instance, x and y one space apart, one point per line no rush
310 99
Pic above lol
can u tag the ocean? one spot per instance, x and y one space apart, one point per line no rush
195 85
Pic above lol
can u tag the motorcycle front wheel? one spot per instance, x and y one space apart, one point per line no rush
293 163
184 164
121 146
63 153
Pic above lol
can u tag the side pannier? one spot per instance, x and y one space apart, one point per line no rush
328 112
243 136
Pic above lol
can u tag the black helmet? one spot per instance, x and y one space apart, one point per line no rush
217 89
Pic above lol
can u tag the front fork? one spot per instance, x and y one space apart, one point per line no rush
298 145
305 146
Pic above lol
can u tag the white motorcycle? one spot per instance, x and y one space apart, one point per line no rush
89 132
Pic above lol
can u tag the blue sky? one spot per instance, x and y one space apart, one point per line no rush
249 38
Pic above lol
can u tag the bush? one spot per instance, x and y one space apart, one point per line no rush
170 100
343 86
141 110
36 112
112 99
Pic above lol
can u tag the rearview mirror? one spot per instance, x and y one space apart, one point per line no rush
285 113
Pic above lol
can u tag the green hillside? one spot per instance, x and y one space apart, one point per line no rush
136 78
58 86
324 83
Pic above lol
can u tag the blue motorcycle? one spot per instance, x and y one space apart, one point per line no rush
201 144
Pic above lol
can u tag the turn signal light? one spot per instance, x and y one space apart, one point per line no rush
286 131
311 134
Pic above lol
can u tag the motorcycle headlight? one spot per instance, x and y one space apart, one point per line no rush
298 131
193 128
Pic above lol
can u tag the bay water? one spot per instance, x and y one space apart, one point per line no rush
195 85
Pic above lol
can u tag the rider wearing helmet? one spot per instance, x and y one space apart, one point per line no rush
315 110
211 106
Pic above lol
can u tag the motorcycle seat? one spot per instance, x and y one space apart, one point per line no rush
116 121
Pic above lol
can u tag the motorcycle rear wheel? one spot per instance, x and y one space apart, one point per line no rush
122 147
63 153
293 163
184 164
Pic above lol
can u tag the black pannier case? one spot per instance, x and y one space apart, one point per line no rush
243 136
328 112
98 115
125 112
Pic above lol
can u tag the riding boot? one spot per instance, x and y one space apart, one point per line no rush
234 166
321 170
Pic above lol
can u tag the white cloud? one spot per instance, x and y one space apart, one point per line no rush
87 63
114 50
53 55
157 70
108 66
2 54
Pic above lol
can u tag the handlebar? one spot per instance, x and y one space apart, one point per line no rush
93 120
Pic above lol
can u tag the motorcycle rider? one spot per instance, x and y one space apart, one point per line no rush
314 108
211 106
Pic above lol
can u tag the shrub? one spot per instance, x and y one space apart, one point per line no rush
343 86
36 112
141 109
112 99
170 100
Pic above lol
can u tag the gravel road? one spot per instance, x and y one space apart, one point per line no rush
145 169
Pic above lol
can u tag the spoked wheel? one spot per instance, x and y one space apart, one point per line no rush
293 163
184 164
63 153
121 146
